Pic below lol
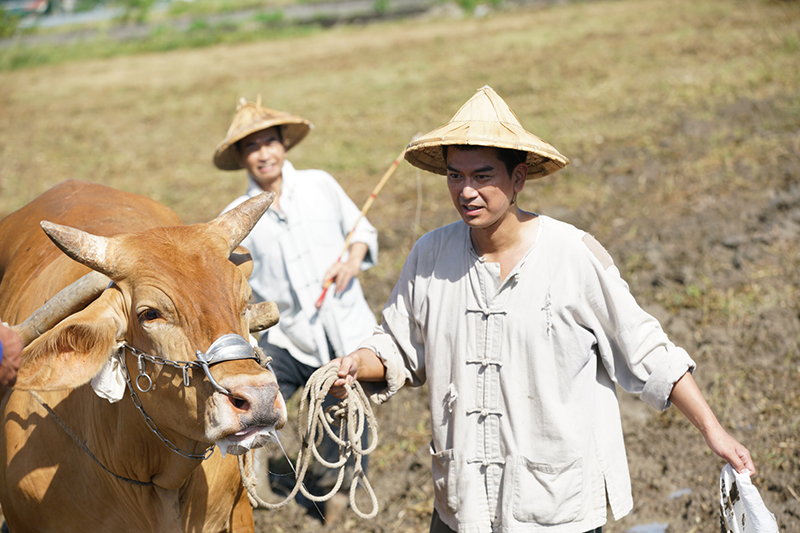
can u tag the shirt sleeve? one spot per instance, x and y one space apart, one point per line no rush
364 231
399 340
632 346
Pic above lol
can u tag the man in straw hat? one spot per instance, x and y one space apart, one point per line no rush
521 326
295 247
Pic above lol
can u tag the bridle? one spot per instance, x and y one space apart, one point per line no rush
229 347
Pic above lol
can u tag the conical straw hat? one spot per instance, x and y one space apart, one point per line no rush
485 120
251 118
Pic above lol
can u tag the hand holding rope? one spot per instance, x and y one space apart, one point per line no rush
353 416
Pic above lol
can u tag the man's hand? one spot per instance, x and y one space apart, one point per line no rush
363 364
722 444
12 358
348 372
689 400
343 273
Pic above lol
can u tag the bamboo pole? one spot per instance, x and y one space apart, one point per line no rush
367 205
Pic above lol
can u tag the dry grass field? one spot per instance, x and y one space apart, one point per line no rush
682 121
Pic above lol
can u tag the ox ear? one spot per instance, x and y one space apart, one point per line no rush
243 260
237 223
262 315
70 354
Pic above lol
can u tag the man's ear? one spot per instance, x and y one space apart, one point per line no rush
519 176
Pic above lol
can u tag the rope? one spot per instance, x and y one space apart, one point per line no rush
352 416
83 445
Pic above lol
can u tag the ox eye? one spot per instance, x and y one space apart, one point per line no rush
149 314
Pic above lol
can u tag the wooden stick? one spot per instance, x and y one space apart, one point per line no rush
367 205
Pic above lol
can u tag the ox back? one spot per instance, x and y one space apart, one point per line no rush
175 292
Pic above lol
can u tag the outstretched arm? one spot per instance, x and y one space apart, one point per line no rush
690 401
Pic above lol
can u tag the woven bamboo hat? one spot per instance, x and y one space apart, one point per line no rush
485 120
251 118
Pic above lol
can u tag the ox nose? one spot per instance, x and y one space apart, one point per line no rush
258 405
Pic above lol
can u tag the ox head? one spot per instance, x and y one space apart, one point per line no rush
175 291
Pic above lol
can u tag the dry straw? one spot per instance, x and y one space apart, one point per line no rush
485 120
251 118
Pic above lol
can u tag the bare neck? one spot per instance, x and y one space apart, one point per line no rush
507 241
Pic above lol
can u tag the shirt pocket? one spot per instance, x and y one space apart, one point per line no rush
445 479
547 493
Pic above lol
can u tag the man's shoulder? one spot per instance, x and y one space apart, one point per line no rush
313 174
572 240
451 234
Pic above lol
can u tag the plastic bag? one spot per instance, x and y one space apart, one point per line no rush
741 508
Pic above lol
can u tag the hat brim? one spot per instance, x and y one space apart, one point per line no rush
293 130
426 151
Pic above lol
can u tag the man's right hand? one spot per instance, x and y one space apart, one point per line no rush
363 364
348 372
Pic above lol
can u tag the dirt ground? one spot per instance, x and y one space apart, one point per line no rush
709 252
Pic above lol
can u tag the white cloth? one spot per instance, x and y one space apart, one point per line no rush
525 422
293 248
741 508
109 382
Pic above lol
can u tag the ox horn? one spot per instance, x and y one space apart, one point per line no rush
239 221
262 315
67 301
91 250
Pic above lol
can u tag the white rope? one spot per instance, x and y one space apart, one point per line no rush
352 416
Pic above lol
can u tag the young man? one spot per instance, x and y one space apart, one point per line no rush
521 326
295 247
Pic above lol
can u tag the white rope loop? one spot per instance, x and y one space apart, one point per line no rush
352 416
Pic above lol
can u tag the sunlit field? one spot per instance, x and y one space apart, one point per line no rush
682 122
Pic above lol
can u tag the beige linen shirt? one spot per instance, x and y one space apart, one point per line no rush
526 431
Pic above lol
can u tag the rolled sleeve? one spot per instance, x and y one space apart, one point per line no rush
396 373
658 386
366 233
632 344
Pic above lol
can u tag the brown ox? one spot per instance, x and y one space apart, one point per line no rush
175 291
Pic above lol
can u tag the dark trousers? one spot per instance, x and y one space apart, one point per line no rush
437 526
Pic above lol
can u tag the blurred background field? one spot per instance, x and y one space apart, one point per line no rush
682 122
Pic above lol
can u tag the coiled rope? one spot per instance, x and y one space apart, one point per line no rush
352 416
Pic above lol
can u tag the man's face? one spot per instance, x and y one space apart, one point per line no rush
262 154
480 186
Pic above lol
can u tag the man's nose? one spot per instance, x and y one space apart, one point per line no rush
469 190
